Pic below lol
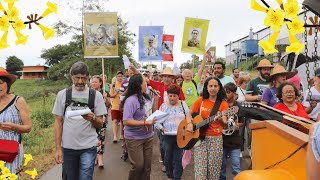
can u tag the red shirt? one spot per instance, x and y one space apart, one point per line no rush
159 86
301 112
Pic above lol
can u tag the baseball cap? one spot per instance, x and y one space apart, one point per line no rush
317 72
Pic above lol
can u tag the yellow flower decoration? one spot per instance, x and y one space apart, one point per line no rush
33 173
4 23
2 163
291 8
2 8
269 46
48 32
295 45
256 6
279 2
5 171
3 42
51 8
21 40
13 13
10 3
18 25
2 177
13 177
274 19
27 157
296 26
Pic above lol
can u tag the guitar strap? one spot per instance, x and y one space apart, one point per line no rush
212 113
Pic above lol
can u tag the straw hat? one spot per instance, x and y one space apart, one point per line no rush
264 63
11 77
168 71
278 69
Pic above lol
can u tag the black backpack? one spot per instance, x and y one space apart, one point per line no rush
194 83
92 96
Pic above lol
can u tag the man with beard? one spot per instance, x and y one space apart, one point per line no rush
256 86
218 71
75 136
236 72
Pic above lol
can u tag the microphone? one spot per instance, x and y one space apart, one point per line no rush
153 91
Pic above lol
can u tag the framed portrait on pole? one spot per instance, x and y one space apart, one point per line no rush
150 43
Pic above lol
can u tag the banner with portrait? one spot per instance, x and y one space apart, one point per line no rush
150 43
194 35
100 35
167 47
212 54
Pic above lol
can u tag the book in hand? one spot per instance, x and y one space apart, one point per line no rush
158 115
79 112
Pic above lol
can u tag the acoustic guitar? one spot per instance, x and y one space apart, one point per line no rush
186 139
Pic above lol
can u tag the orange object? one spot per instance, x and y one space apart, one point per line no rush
277 174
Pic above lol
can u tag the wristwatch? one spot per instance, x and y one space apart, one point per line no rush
93 118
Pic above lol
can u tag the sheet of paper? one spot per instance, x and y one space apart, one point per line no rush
126 61
208 46
170 133
157 115
77 113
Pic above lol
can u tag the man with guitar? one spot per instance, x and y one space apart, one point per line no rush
208 155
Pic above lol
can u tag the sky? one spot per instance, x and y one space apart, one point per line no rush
229 20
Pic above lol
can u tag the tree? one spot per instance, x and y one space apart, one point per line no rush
14 64
195 62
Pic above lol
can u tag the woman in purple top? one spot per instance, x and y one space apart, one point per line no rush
278 76
138 132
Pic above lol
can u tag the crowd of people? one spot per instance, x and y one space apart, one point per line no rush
80 135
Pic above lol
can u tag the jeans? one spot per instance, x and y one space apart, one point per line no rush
161 145
173 157
234 154
79 164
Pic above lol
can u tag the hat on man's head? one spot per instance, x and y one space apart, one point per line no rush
278 69
11 77
119 72
168 71
264 63
317 72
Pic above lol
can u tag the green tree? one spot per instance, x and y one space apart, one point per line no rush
194 62
14 64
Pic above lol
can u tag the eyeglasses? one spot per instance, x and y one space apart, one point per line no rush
77 78
288 92
150 41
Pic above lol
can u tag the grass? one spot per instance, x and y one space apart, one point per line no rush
40 96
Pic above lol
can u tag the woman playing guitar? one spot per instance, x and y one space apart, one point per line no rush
208 155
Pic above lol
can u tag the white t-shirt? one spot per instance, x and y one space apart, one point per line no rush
314 113
241 95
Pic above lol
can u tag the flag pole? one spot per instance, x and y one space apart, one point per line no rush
104 85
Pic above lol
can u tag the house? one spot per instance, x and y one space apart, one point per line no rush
34 72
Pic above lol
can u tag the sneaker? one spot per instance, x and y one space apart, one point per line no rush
124 156
163 169
241 154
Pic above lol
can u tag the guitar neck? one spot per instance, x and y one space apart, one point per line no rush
207 121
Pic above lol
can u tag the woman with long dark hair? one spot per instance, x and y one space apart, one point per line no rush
138 132
208 155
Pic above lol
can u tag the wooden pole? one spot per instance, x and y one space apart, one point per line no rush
103 82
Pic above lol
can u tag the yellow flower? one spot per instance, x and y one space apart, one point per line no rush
21 40
10 3
13 13
33 173
274 19
27 157
2 177
258 7
269 46
295 45
4 23
48 32
291 8
13 177
2 8
3 45
51 8
296 26
5 171
279 2
18 24
2 163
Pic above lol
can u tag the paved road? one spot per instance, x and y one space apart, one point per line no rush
115 168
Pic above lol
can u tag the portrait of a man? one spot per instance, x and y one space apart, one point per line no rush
194 38
100 35
150 48
166 47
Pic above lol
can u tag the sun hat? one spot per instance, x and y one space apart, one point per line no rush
11 77
264 63
168 71
278 69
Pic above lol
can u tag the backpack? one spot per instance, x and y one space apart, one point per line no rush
92 96
194 83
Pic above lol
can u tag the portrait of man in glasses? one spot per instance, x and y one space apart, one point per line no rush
194 38
151 48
